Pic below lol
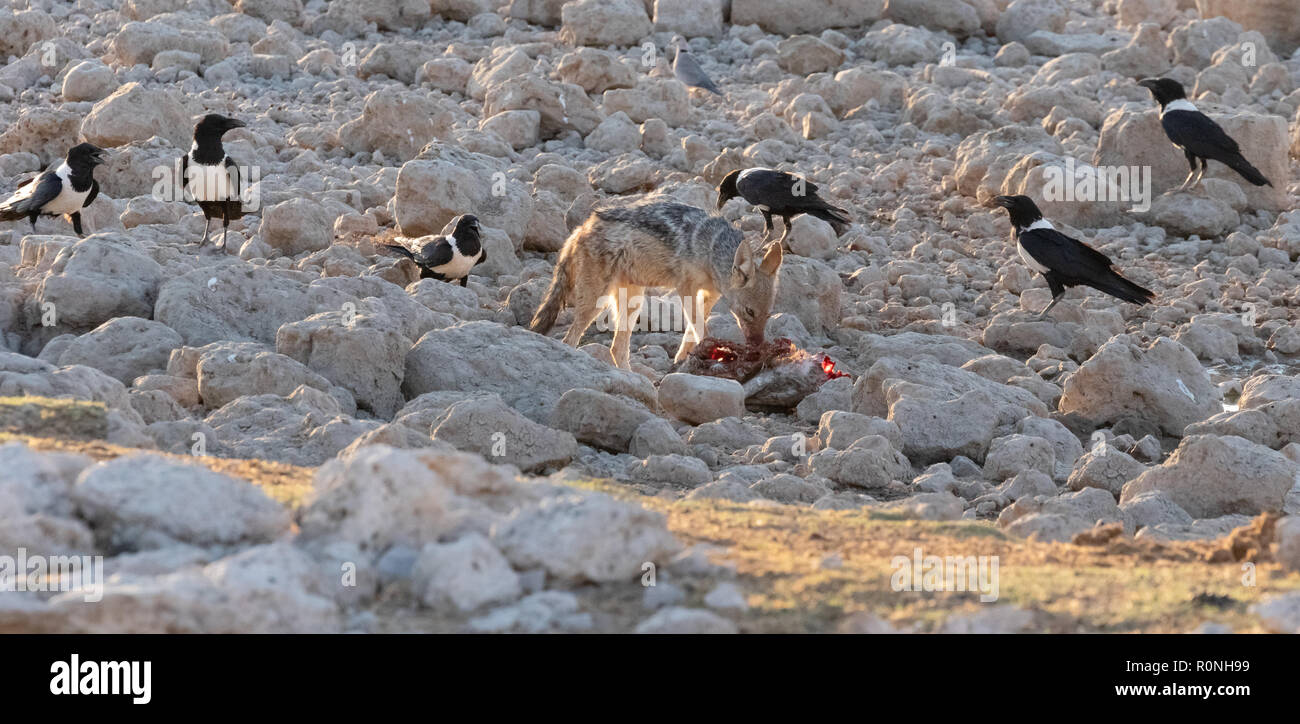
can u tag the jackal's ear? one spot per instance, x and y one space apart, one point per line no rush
742 268
772 259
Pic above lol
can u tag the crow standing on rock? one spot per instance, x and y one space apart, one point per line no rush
67 189
1197 134
449 258
1064 262
781 194
211 177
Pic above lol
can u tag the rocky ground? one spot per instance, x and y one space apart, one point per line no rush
295 433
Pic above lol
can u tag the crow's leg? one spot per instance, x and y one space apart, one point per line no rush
206 223
1200 175
767 224
76 223
1043 314
464 281
785 222
32 218
225 224
1191 162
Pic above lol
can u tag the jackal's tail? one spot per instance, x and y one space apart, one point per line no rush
561 284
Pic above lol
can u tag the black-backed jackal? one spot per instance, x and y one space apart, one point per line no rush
659 244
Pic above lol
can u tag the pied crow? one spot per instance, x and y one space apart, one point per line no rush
688 70
211 177
66 189
1064 262
449 258
777 193
1197 134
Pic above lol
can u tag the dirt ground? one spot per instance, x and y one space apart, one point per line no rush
811 571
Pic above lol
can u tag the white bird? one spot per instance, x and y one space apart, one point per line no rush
688 70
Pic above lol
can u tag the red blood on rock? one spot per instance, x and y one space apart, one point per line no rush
828 366
741 362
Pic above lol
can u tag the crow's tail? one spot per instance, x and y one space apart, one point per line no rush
400 250
838 218
1239 164
1121 288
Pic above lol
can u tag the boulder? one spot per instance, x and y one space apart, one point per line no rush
1106 468
530 372
149 501
123 347
432 192
1210 476
298 225
463 574
136 113
815 16
604 22
363 352
226 371
690 18
485 425
870 462
235 301
585 537
957 17
97 279
937 430
697 399
139 42
1162 383
599 419
397 123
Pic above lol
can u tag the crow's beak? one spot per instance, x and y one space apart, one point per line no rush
1004 201
1147 83
100 156
236 123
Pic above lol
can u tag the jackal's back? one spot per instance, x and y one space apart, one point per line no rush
654 233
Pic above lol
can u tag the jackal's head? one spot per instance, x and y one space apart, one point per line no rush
751 288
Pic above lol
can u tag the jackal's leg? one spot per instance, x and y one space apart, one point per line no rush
624 320
586 305
695 312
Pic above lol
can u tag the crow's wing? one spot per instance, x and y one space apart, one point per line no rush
32 196
232 173
776 190
1063 255
1199 134
434 254
94 191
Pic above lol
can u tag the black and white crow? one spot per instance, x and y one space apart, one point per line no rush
449 258
67 189
1197 134
781 194
688 70
1064 262
211 177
